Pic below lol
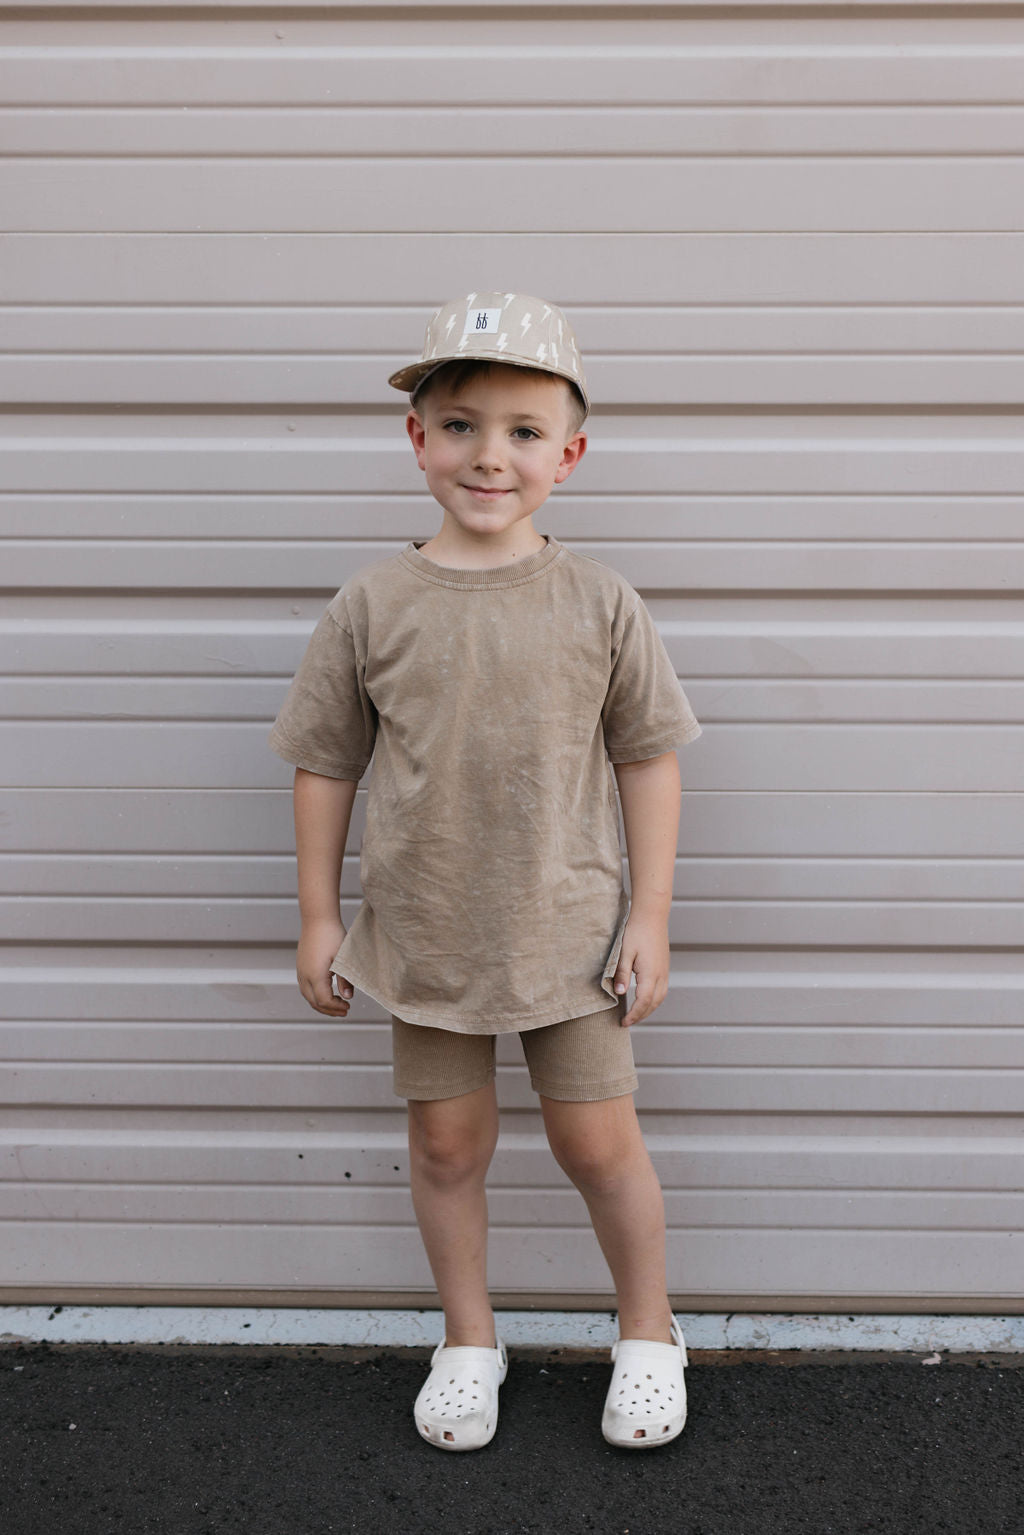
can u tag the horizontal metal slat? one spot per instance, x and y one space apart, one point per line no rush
591 522
794 923
277 565
195 874
223 822
917 194
535 1210
288 1045
940 987
854 657
814 456
817 757
724 1090
648 59
121 1154
410 270
521 127
908 1264
757 699
375 338
301 381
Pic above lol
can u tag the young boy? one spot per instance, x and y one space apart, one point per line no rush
493 674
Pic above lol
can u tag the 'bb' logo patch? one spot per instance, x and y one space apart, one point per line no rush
482 322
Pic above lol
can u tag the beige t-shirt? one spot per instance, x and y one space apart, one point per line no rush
492 702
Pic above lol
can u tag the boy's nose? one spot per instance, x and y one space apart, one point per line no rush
489 451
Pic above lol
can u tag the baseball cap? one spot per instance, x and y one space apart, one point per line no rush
497 327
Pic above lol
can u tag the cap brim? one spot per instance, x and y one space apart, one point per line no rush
408 378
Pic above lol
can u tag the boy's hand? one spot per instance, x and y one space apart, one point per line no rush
644 951
319 943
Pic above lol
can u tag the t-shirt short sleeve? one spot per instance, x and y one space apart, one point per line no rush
327 723
646 711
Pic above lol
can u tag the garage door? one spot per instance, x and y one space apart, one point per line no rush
792 250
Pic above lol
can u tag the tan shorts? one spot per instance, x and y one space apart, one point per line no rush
580 1060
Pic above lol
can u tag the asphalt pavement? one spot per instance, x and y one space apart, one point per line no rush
228 1440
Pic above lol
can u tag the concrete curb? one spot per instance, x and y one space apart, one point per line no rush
524 1329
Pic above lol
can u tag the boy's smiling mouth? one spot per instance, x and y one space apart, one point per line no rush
486 492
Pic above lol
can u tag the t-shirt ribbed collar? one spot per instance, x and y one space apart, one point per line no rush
513 574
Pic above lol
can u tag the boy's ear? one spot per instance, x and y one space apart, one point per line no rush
417 436
571 455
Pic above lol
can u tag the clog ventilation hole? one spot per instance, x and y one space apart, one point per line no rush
638 1406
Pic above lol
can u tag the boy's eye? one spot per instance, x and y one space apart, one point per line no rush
525 433
459 427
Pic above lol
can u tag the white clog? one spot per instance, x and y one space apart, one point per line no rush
457 1408
646 1402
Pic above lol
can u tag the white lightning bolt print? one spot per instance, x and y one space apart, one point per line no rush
542 352
525 323
503 341
449 326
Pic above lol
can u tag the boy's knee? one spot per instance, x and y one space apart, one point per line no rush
597 1145
593 1164
449 1152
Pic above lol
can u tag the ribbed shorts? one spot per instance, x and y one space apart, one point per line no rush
578 1060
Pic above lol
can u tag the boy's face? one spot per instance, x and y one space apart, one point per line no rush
492 452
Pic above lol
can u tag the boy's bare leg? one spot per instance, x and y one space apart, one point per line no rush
451 1142
600 1147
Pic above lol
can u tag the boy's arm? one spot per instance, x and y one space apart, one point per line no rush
323 809
649 792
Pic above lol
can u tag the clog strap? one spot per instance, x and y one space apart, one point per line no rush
644 1348
467 1354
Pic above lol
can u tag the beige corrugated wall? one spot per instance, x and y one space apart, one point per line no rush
792 248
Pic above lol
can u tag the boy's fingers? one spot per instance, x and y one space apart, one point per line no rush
643 1002
320 996
624 972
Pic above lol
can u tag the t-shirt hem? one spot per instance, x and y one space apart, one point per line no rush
505 1024
311 762
642 750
